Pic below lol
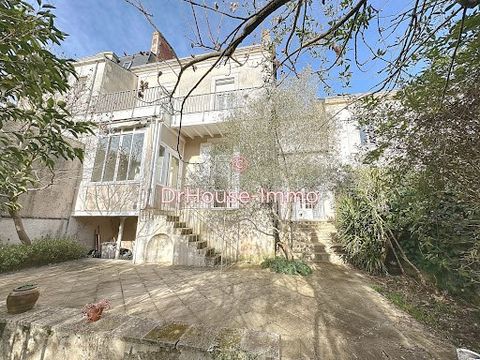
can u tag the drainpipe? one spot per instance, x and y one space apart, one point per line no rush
119 237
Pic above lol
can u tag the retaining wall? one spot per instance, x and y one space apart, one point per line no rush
59 334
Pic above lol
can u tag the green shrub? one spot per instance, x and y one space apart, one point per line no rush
362 230
439 232
434 225
289 267
40 252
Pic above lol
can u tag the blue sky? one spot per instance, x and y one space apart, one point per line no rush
113 25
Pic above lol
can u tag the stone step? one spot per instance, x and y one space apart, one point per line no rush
314 231
313 226
55 333
193 238
201 244
173 218
209 251
180 224
318 231
213 260
186 231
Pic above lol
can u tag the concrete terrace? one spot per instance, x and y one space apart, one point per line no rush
332 314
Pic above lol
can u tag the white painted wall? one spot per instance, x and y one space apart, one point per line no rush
250 71
35 227
348 130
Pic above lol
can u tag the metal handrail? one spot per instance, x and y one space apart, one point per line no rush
228 244
215 101
131 99
220 240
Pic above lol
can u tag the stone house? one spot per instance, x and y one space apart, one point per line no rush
116 194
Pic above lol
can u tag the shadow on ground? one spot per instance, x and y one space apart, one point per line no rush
331 314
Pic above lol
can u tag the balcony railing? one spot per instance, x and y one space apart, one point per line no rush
130 99
218 101
155 96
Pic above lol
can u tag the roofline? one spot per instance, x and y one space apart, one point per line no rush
101 56
343 99
110 55
174 62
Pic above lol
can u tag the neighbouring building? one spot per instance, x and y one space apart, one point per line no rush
116 194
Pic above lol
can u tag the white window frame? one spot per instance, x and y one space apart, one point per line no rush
167 159
214 91
120 133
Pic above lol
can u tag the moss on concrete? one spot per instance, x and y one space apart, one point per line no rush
169 333
228 346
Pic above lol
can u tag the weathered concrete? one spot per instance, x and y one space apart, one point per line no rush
332 314
52 333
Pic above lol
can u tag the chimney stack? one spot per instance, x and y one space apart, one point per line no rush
161 48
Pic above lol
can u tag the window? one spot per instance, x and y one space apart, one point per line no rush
224 94
99 159
123 157
111 160
127 65
118 157
165 166
367 135
168 168
173 173
135 157
161 165
311 204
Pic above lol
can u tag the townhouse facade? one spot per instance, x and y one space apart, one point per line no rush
118 194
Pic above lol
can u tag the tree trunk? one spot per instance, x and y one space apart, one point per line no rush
274 217
22 234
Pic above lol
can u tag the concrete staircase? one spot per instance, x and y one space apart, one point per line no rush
192 249
313 241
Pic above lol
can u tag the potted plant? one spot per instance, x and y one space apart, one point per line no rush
22 298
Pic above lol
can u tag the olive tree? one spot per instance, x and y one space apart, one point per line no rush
35 124
288 147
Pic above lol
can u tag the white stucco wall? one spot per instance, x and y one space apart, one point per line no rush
348 131
36 228
250 71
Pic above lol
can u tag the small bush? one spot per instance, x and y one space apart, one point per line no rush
40 252
361 210
289 267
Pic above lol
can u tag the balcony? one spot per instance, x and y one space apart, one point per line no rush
130 103
201 112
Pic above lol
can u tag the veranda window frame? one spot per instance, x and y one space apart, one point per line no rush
121 133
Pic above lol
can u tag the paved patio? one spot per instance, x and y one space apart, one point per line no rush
332 314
